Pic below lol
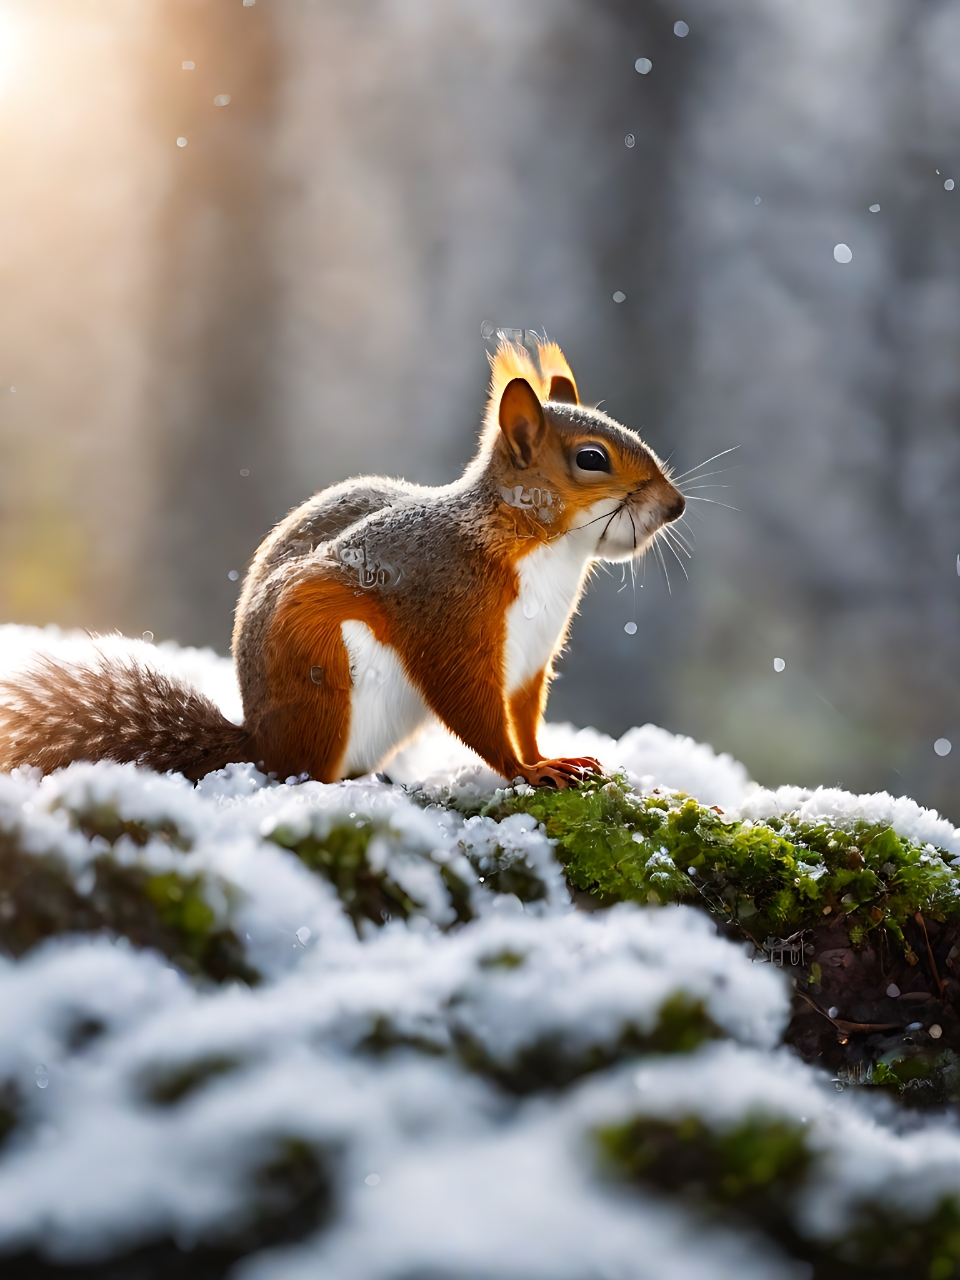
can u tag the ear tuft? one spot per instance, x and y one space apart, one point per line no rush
522 422
508 362
557 374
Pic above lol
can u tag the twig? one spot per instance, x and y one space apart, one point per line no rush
933 964
847 1027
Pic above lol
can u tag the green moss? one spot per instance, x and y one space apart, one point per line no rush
168 1087
505 959
551 1062
104 820
507 871
772 878
341 857
757 1165
919 1074
752 1175
166 912
290 1196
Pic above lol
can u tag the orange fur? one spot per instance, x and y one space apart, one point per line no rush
526 710
308 724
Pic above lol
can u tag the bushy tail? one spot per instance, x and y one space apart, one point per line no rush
112 708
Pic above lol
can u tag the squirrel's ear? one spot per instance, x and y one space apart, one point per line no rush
563 389
522 422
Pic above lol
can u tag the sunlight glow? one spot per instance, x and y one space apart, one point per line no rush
11 49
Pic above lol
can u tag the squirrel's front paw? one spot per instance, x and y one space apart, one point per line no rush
561 773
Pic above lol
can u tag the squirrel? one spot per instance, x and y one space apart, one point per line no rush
378 602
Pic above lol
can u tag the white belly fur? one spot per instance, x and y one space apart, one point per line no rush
385 708
551 580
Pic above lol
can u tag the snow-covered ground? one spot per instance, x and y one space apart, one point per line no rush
442 1080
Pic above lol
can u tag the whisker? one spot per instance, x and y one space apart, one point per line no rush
663 563
613 517
669 535
691 487
721 471
705 463
669 544
681 538
597 519
713 502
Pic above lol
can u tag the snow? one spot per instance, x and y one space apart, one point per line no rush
448 1077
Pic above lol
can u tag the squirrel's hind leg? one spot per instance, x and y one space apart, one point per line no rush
305 724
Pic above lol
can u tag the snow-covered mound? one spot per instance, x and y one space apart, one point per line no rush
362 1031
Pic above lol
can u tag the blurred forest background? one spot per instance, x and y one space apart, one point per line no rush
199 336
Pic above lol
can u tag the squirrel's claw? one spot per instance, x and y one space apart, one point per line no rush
561 773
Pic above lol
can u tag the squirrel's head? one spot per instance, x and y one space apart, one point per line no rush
576 472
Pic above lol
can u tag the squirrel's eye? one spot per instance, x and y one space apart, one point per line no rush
593 458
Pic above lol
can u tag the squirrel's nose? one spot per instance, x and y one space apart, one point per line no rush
674 506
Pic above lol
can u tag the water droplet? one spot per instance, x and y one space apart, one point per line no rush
644 66
40 1070
827 910
531 608
943 746
303 933
248 4
244 471
756 200
893 991
42 1082
832 1011
630 628
936 1031
691 871
778 664
148 636
14 389
188 66
914 1026
630 140
958 557
316 675
222 100
487 330
181 142
372 1179
681 29
619 296
233 575
874 208
948 185
842 253
839 1087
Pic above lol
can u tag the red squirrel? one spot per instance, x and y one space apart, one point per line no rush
377 602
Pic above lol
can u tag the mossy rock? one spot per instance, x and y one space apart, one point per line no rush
341 856
551 1062
290 1195
752 1174
853 911
167 911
